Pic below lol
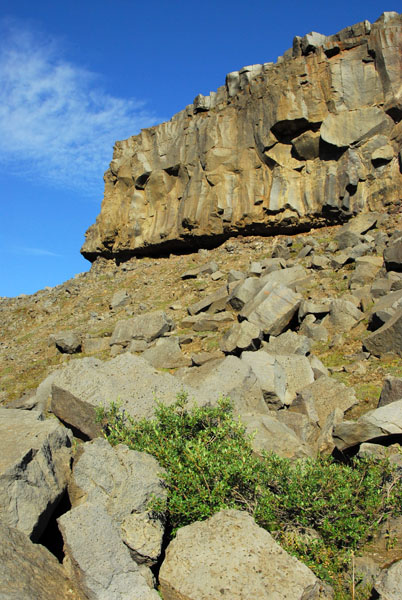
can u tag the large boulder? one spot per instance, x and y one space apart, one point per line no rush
387 338
389 584
230 556
35 460
30 572
78 389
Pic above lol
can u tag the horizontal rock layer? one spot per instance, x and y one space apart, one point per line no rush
304 142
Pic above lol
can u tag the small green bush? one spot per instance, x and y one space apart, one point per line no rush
318 510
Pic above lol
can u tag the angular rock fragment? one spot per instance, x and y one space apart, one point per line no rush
166 354
241 336
387 338
275 311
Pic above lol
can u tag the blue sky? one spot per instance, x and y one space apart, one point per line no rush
76 76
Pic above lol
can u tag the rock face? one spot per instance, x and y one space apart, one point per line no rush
309 140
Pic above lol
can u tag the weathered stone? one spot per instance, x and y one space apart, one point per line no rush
233 169
270 374
387 338
166 354
350 433
82 386
122 482
299 374
244 292
313 329
67 342
270 435
275 311
237 558
343 315
30 572
146 327
119 299
386 418
221 296
391 390
241 336
207 322
388 585
104 568
289 342
207 269
231 378
34 469
326 394
393 256
318 308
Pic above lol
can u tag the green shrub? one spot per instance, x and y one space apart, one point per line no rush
318 510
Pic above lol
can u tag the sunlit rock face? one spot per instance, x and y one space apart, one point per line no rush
310 140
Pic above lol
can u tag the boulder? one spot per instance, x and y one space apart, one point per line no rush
146 327
104 567
289 342
30 572
207 269
271 376
83 385
119 299
271 435
207 322
386 418
123 482
343 315
241 336
35 460
237 558
351 126
387 338
230 377
67 342
276 309
219 298
298 372
244 292
326 394
388 585
393 256
166 354
391 390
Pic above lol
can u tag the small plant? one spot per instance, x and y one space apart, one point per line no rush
318 510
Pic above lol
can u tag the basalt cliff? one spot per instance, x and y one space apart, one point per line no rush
308 141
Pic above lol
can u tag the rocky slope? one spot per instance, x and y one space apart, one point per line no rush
304 142
302 331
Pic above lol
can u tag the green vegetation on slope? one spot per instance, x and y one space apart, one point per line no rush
318 510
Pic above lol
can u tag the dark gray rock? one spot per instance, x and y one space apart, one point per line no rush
391 390
387 338
275 309
207 269
393 256
220 296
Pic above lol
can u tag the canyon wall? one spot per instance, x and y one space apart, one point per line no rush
310 140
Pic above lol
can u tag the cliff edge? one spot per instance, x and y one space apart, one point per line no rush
310 140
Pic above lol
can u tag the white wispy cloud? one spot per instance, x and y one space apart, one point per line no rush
25 251
56 121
